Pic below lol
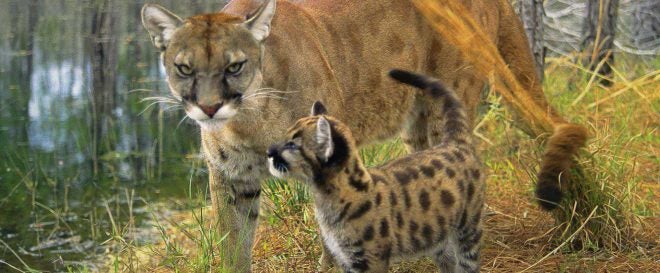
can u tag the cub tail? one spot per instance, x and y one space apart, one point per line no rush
455 120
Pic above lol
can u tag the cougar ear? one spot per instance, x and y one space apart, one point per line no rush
318 109
259 22
324 139
160 23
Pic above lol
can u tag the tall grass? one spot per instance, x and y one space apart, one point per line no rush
607 210
623 129
592 213
621 158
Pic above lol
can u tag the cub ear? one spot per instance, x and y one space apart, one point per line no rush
160 23
259 22
318 109
324 139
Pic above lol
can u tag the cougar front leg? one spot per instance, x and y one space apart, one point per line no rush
236 206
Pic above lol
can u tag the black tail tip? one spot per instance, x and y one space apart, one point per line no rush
549 196
408 77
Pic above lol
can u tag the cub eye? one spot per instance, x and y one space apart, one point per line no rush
184 70
290 145
235 68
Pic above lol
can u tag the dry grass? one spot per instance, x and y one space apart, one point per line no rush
591 214
449 19
613 228
623 155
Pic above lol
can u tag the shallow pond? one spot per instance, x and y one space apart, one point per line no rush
80 149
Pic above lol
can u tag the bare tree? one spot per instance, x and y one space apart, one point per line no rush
598 35
103 52
646 24
532 13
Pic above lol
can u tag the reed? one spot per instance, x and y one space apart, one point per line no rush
591 213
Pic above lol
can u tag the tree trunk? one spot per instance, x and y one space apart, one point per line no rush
646 24
532 13
19 76
102 51
598 32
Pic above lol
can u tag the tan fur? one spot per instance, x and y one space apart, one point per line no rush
427 203
335 51
558 159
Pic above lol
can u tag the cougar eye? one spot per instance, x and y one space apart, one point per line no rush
184 70
235 68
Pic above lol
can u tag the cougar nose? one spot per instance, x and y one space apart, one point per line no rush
210 110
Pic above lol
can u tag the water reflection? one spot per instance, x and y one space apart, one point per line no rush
76 141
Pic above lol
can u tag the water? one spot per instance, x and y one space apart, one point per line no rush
76 143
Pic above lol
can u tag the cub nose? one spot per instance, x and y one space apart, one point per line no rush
210 110
272 151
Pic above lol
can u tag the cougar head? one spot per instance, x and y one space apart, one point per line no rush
211 60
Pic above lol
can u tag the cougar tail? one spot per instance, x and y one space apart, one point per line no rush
455 121
557 161
567 138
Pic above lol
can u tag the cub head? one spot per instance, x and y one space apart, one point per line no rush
211 60
316 148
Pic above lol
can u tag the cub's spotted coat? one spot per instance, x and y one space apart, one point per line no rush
427 203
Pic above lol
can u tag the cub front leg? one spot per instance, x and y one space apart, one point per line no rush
236 206
326 261
362 265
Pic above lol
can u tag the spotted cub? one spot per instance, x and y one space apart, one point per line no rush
427 203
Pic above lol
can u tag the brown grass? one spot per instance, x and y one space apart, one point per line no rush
591 214
518 235
449 19
621 161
